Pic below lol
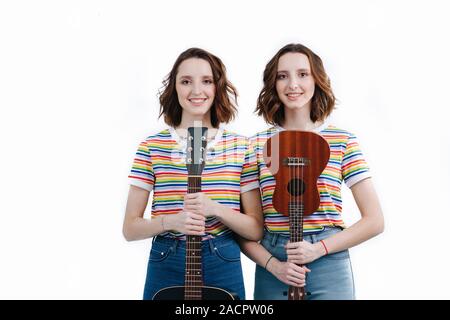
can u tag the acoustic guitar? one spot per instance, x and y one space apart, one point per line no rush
193 288
296 159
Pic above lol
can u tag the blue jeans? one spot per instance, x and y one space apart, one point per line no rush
221 265
331 276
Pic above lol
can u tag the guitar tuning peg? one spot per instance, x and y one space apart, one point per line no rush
203 138
189 160
200 160
191 138
190 149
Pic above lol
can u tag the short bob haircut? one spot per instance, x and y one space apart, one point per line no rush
223 110
270 106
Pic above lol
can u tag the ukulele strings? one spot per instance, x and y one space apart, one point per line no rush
299 190
300 211
302 206
295 211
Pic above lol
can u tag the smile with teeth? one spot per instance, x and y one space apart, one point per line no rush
197 100
293 96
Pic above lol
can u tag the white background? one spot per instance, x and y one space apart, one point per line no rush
78 92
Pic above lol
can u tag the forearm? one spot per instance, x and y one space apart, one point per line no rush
363 230
244 225
255 251
139 228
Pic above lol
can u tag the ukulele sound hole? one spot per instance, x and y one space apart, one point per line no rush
296 187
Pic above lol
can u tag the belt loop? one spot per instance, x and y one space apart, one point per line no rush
175 245
274 239
212 245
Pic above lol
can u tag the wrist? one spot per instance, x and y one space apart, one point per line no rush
321 248
271 264
166 222
216 210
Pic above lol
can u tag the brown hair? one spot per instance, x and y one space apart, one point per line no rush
322 102
222 110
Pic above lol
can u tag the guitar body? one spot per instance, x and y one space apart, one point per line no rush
296 159
208 293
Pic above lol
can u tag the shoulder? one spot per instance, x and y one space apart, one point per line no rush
341 139
262 136
160 135
233 134
230 135
155 139
336 133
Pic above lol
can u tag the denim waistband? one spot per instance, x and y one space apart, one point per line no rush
215 242
274 237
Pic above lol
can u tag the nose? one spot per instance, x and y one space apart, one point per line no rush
196 88
293 85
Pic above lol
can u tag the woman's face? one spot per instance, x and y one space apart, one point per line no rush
295 83
195 86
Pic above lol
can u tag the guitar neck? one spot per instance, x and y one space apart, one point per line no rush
193 277
296 214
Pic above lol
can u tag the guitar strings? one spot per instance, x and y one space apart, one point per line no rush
193 246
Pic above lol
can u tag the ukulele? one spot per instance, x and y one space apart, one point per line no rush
193 288
296 159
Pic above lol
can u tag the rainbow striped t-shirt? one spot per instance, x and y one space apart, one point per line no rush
160 165
346 164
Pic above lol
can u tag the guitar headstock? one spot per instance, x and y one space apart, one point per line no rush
196 150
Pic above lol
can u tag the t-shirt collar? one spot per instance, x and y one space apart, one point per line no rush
316 130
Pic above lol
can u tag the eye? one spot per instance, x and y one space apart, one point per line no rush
281 76
185 82
208 81
303 74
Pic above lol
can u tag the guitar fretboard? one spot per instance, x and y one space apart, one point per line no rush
193 277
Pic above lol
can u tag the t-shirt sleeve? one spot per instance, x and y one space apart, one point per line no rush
141 174
249 174
354 166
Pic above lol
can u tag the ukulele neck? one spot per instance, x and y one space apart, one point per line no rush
296 213
296 210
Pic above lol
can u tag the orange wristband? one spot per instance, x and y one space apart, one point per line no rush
323 243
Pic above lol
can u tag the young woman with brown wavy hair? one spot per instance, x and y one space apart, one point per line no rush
297 95
196 90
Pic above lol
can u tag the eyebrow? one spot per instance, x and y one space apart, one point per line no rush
190 77
302 70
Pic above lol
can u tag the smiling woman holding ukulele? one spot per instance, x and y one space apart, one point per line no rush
297 96
199 182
